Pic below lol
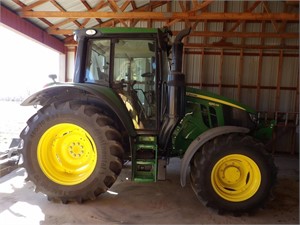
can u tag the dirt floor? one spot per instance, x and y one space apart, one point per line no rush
163 202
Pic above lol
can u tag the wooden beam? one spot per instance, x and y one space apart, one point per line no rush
125 5
215 34
295 54
221 72
234 46
33 5
296 105
243 86
268 10
115 8
181 3
59 7
89 8
22 5
258 82
240 74
243 34
201 6
133 5
245 6
237 24
163 16
69 41
225 5
278 82
202 68
196 7
282 28
96 8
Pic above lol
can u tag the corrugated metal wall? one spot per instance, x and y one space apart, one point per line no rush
267 80
223 73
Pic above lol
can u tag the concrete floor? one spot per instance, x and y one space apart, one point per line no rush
163 202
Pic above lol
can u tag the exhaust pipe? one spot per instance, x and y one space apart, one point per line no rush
176 90
177 49
176 79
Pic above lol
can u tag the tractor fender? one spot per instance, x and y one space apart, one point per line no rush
200 141
90 93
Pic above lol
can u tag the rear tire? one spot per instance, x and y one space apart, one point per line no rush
71 152
233 173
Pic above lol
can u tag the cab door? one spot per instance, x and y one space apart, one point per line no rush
134 79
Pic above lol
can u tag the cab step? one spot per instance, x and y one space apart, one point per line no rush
144 161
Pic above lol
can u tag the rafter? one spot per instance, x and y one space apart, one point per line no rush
237 46
125 5
89 8
115 8
245 6
22 5
69 41
268 10
216 34
237 24
100 5
201 6
192 13
164 16
59 7
33 5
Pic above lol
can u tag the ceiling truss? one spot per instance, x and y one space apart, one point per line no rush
195 14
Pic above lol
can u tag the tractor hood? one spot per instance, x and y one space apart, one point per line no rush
216 99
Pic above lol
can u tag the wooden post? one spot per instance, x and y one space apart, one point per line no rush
278 83
296 106
240 75
221 71
202 68
258 82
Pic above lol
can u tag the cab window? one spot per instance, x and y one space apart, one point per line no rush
97 64
134 77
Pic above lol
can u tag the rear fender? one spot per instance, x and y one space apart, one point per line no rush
200 141
95 94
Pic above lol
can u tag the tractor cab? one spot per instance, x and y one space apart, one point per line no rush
128 64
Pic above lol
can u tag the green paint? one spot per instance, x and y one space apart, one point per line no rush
125 30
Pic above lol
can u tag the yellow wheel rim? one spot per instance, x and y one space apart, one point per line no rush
67 154
235 177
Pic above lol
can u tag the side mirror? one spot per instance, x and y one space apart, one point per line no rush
53 77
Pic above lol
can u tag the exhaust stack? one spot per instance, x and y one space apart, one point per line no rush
176 90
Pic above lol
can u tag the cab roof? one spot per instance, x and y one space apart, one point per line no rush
97 32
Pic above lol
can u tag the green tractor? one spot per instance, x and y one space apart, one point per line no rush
129 101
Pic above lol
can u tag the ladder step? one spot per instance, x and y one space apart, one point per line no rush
145 146
145 159
148 162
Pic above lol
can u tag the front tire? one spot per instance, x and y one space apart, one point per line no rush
71 152
233 173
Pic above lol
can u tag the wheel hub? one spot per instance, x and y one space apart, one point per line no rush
231 174
76 150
